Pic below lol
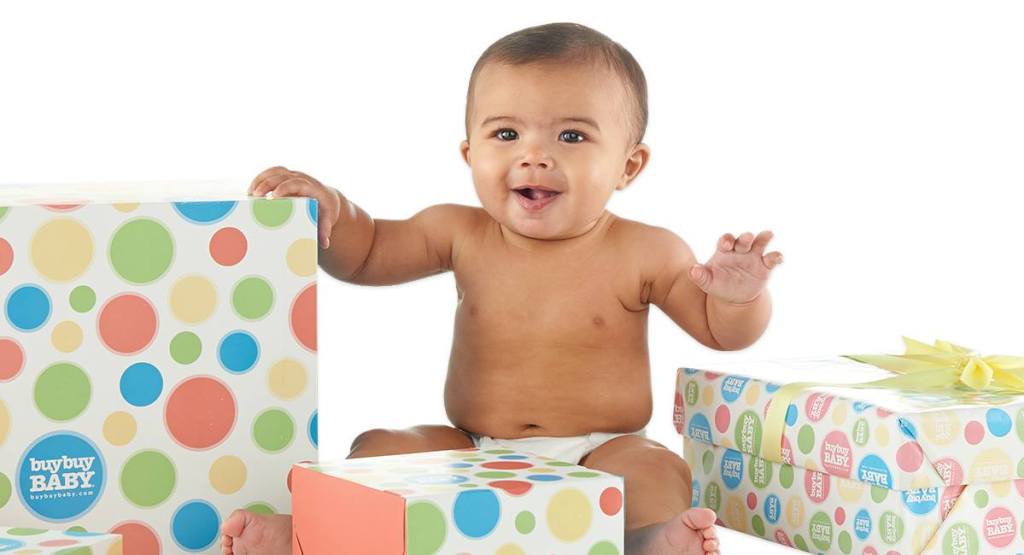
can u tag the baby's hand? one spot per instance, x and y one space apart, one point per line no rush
282 182
738 271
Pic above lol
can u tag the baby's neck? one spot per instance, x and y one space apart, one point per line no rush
596 229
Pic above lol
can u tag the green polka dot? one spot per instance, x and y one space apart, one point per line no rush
845 542
5 490
713 496
83 298
425 529
525 522
273 430
62 391
77 529
960 538
707 461
603 548
878 494
786 475
25 531
805 440
1020 472
141 251
584 474
758 525
261 508
148 478
467 485
556 463
890 526
981 498
3 212
252 298
186 347
509 452
475 459
821 531
75 551
861 432
800 543
272 212
495 474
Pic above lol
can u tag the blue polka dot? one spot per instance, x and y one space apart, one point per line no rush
791 415
907 428
311 208
999 422
238 352
27 307
195 525
7 544
771 387
314 429
476 512
205 212
543 477
514 457
141 384
460 465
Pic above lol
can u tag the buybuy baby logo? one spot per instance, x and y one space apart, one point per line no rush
836 454
1000 527
61 477
732 387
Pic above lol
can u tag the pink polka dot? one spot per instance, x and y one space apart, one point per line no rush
909 456
711 376
66 207
12 359
882 413
840 516
200 412
127 323
513 487
611 501
974 432
949 497
57 543
506 465
6 256
678 413
303 317
138 538
751 501
1019 485
722 418
228 246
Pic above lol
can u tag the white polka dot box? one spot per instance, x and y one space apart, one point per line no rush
460 502
157 361
863 471
33 541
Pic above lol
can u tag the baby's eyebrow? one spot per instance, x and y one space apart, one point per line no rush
577 119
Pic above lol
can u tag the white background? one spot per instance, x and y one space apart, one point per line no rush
882 142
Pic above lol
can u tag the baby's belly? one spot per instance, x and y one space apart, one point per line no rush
554 390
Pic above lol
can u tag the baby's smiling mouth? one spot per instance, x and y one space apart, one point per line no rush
533 192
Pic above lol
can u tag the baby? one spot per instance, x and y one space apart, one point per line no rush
550 340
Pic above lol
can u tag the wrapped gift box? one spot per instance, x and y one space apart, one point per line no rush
862 470
70 542
462 501
157 358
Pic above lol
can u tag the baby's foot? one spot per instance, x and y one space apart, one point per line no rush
691 532
247 533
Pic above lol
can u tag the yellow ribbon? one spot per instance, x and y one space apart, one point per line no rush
922 367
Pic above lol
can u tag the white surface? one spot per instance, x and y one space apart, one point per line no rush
880 141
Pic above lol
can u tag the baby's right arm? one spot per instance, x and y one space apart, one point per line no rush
358 249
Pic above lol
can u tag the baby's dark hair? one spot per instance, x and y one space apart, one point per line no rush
570 43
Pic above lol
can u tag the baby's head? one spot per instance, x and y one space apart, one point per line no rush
555 115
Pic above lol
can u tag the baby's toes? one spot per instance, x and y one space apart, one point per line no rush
699 518
711 546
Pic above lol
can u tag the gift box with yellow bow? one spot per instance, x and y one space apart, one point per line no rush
915 453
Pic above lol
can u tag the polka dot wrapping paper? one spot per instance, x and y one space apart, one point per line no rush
863 471
457 502
157 363
31 541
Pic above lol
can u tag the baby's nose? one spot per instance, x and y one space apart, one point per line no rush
536 157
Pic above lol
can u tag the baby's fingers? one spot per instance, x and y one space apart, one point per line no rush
726 242
744 242
772 259
761 241
277 172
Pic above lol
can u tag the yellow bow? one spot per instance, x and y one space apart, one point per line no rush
922 367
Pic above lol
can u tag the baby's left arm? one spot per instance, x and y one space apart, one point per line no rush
724 303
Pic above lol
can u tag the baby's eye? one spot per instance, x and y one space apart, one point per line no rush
571 136
506 134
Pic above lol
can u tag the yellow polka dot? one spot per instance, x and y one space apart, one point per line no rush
882 435
119 428
1000 489
302 257
850 490
125 206
809 465
735 514
66 336
924 533
61 249
709 395
569 514
839 412
753 392
116 548
227 474
725 442
5 422
941 428
510 549
193 299
921 481
991 465
287 379
795 512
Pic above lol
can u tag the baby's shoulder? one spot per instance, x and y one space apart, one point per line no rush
649 239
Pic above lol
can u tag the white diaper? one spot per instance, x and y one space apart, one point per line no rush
569 449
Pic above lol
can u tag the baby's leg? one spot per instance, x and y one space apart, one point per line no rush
246 533
658 492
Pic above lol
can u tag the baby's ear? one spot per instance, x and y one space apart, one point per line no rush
635 163
464 149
